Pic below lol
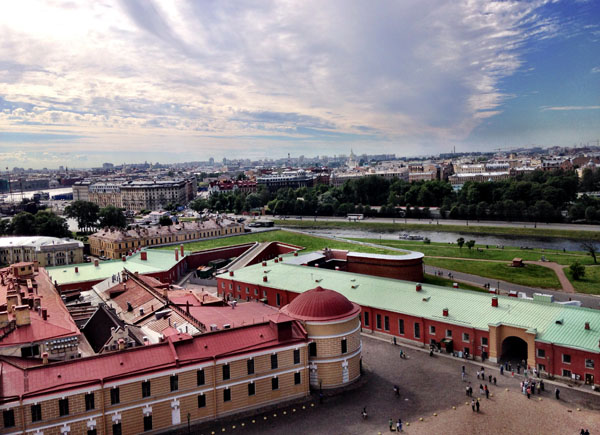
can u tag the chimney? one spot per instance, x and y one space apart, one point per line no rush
337 267
144 256
96 262
231 273
124 286
265 278
264 263
494 302
76 269
280 259
587 325
121 344
3 318
45 358
419 287
295 254
181 250
187 307
22 315
445 312
124 258
316 265
141 311
12 300
276 260
45 313
176 255
455 285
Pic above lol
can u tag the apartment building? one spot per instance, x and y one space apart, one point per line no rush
105 194
114 242
154 195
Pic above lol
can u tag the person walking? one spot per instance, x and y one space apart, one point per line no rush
463 369
473 405
399 425
557 393
501 370
542 384
391 425
494 380
477 405
490 379
487 392
467 390
462 375
480 390
528 390
470 391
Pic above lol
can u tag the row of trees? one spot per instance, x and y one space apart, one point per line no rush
537 196
90 216
42 223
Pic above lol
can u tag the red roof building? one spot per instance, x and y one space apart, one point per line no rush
322 305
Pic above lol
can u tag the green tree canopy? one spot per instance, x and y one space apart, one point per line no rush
85 213
112 216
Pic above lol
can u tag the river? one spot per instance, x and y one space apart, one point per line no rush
17 196
450 237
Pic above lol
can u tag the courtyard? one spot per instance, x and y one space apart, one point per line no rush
431 388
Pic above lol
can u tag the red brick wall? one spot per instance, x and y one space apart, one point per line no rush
408 270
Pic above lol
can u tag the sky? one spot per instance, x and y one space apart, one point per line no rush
82 83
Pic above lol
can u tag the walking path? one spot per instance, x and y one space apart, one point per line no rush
560 274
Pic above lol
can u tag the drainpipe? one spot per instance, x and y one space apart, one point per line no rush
215 383
103 407
23 415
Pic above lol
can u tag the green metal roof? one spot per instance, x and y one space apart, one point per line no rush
158 261
466 308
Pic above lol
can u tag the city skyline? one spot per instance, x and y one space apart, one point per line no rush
175 81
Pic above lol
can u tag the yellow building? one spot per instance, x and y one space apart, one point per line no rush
47 251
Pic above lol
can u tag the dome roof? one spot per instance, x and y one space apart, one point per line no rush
320 304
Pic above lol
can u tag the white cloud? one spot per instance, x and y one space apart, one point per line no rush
595 70
566 108
150 72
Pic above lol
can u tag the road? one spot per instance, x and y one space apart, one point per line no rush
474 223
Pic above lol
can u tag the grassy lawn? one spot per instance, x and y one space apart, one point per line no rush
491 253
390 227
530 275
590 283
310 243
443 282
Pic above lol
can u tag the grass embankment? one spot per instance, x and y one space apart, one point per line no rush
310 243
490 230
530 275
443 282
435 249
590 283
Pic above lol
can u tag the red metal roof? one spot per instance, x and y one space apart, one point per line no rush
60 376
320 304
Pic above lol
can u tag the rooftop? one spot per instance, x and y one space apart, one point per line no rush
466 308
37 242
320 304
157 261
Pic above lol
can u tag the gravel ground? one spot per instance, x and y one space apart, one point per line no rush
427 386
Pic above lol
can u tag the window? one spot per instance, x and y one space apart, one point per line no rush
296 356
147 423
366 318
9 417
297 378
417 330
566 373
386 323
200 377
255 292
63 407
378 321
277 299
465 337
541 367
250 365
448 332
230 286
89 401
312 348
174 382
114 396
222 285
92 431
251 389
117 429
589 363
566 358
431 329
275 383
226 395
36 413
146 389
401 326
344 345
247 291
541 353
264 293
484 341
274 361
226 372
201 401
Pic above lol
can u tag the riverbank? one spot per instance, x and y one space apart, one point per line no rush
433 226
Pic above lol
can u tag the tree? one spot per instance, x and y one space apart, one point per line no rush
577 270
470 244
460 242
112 216
165 221
23 224
50 224
591 248
84 212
